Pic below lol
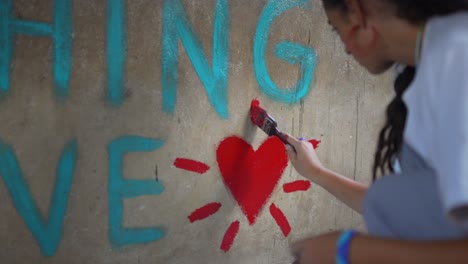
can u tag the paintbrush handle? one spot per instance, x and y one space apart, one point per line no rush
282 138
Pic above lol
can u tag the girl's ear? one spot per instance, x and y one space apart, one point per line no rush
357 12
363 37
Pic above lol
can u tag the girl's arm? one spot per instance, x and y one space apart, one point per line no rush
373 250
366 249
346 190
306 163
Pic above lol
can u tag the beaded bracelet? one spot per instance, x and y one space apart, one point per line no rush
342 246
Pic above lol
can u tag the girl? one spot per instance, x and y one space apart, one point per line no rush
418 214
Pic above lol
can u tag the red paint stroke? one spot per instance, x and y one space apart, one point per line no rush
280 219
296 186
315 143
204 212
251 176
229 236
191 165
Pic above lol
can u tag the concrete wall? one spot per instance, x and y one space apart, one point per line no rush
104 104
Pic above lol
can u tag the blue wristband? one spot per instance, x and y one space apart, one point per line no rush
342 246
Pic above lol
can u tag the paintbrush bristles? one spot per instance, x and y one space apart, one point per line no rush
257 114
261 118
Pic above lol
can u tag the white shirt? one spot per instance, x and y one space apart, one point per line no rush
437 102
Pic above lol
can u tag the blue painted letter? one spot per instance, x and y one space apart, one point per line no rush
60 32
120 188
47 233
290 52
176 24
116 50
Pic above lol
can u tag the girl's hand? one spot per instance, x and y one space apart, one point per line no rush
319 249
304 160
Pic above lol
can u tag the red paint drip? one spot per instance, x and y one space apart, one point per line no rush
229 236
315 143
204 212
191 165
280 219
296 186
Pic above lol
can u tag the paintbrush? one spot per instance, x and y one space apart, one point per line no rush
264 121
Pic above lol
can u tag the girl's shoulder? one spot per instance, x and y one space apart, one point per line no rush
448 30
445 45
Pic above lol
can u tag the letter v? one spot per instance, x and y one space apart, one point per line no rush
47 233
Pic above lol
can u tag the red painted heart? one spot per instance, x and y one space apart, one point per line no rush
250 175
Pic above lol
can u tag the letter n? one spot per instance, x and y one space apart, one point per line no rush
176 25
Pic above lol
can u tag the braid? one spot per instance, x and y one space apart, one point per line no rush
391 135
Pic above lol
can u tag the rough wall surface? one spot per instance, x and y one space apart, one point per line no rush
105 106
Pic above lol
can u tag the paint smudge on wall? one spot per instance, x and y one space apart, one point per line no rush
229 236
280 219
251 176
315 143
204 212
302 185
191 165
47 233
60 32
